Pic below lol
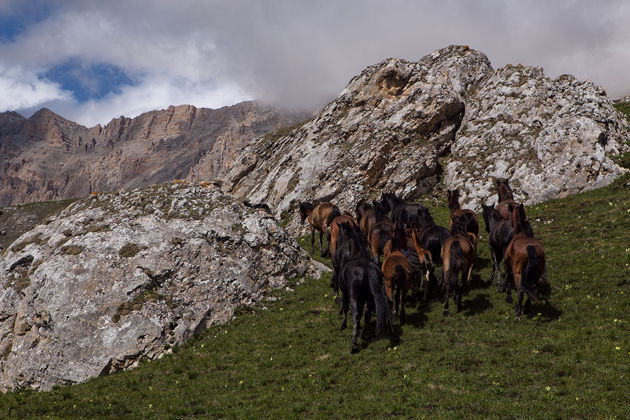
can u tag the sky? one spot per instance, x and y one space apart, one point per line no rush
94 60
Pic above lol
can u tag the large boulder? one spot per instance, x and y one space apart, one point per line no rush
448 119
122 277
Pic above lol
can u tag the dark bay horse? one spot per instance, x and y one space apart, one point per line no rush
524 263
360 284
469 217
334 230
431 236
506 198
401 212
458 258
379 233
319 218
500 234
397 272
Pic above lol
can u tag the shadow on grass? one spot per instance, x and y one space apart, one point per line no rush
476 306
547 311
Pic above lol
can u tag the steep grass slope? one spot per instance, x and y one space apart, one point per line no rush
569 359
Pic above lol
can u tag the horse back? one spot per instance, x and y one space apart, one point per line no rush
516 254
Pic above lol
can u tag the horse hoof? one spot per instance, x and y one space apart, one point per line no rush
445 312
508 299
354 350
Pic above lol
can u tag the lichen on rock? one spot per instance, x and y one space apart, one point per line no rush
78 301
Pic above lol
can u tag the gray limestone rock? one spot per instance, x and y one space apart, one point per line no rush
121 277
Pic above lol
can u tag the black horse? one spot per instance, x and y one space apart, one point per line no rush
360 282
500 234
432 237
401 212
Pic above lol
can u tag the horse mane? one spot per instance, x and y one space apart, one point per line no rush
504 192
520 224
379 211
399 238
306 206
459 227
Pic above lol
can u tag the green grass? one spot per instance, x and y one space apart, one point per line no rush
569 359
19 219
624 108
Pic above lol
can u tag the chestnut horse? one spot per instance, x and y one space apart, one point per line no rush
397 275
421 263
334 230
506 197
319 218
524 263
468 216
458 256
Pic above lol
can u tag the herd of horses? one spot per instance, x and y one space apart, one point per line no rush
390 248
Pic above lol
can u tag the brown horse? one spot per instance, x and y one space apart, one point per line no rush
524 263
397 273
397 280
379 233
506 198
421 262
458 256
468 216
319 218
334 230
366 216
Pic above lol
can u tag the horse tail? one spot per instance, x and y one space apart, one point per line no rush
455 261
334 212
401 274
383 315
530 273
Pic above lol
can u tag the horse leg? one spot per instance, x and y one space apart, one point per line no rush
356 316
519 305
323 252
445 287
313 240
469 278
397 301
344 311
507 285
403 301
528 306
366 320
495 270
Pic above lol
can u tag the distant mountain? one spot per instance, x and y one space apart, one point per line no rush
47 157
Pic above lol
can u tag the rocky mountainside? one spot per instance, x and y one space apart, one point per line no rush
449 118
47 157
121 277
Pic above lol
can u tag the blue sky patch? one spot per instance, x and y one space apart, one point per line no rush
89 81
24 14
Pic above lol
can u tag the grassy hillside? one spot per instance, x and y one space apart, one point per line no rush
569 359
17 220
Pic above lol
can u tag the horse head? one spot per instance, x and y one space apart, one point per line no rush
503 190
305 210
453 199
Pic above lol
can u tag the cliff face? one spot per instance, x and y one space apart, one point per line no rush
121 277
46 157
449 118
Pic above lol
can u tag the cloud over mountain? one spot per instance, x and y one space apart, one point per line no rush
300 54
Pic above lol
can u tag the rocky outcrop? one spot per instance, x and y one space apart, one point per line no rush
47 157
449 118
549 137
121 277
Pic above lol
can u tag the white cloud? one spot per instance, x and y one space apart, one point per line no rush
302 53
22 89
153 93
